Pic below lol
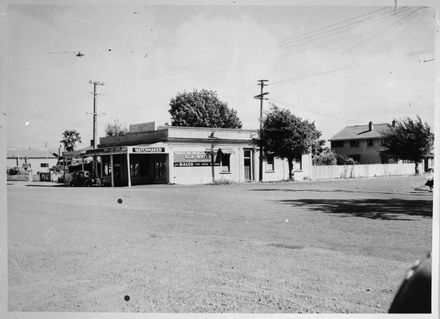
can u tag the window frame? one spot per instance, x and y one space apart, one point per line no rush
335 144
225 163
270 163
354 143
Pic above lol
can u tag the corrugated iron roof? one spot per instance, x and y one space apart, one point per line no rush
357 132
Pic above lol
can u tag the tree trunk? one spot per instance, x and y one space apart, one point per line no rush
417 168
290 162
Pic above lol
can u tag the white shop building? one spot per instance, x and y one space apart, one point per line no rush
188 155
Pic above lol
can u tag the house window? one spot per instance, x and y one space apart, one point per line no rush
337 143
370 142
270 163
44 164
354 143
297 164
225 163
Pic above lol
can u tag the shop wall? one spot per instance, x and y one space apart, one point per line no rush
301 170
280 172
203 174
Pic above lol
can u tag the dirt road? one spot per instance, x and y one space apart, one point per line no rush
340 246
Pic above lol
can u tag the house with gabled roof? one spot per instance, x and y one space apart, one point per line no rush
362 143
38 160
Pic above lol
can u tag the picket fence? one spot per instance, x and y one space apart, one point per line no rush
361 170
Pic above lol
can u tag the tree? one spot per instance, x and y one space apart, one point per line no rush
202 109
115 129
407 139
318 146
286 135
70 138
326 157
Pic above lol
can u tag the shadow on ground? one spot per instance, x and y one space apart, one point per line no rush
416 192
388 209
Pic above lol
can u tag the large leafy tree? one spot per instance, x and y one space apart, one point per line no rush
287 136
115 129
202 109
407 139
70 138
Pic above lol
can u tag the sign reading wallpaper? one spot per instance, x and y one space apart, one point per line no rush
192 158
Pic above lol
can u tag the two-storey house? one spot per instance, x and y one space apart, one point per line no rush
360 142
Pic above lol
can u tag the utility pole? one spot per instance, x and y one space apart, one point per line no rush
95 137
262 84
95 83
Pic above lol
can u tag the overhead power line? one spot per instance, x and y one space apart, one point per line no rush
312 111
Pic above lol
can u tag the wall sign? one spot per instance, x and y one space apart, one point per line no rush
148 149
193 159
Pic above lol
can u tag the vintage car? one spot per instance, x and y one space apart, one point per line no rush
81 178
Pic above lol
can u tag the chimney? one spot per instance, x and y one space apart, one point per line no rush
370 126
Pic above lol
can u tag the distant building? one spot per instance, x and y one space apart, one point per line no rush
187 155
360 142
38 160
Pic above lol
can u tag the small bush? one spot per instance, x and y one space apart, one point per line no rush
345 160
327 157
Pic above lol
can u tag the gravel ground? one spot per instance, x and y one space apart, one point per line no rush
311 247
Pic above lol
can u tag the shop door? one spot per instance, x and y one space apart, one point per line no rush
160 168
248 164
117 177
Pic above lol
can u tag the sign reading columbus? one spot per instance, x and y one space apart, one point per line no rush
192 158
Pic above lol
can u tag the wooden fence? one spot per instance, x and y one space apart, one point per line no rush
356 171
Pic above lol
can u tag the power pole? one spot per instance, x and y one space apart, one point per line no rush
95 137
95 83
262 84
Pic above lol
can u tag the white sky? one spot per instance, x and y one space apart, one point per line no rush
337 66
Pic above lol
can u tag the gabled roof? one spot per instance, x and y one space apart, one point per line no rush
357 132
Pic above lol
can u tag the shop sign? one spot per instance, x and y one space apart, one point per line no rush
148 149
71 154
192 158
115 149
194 164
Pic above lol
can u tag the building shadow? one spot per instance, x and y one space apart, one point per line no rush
412 193
386 209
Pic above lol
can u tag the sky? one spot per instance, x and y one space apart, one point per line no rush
336 65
